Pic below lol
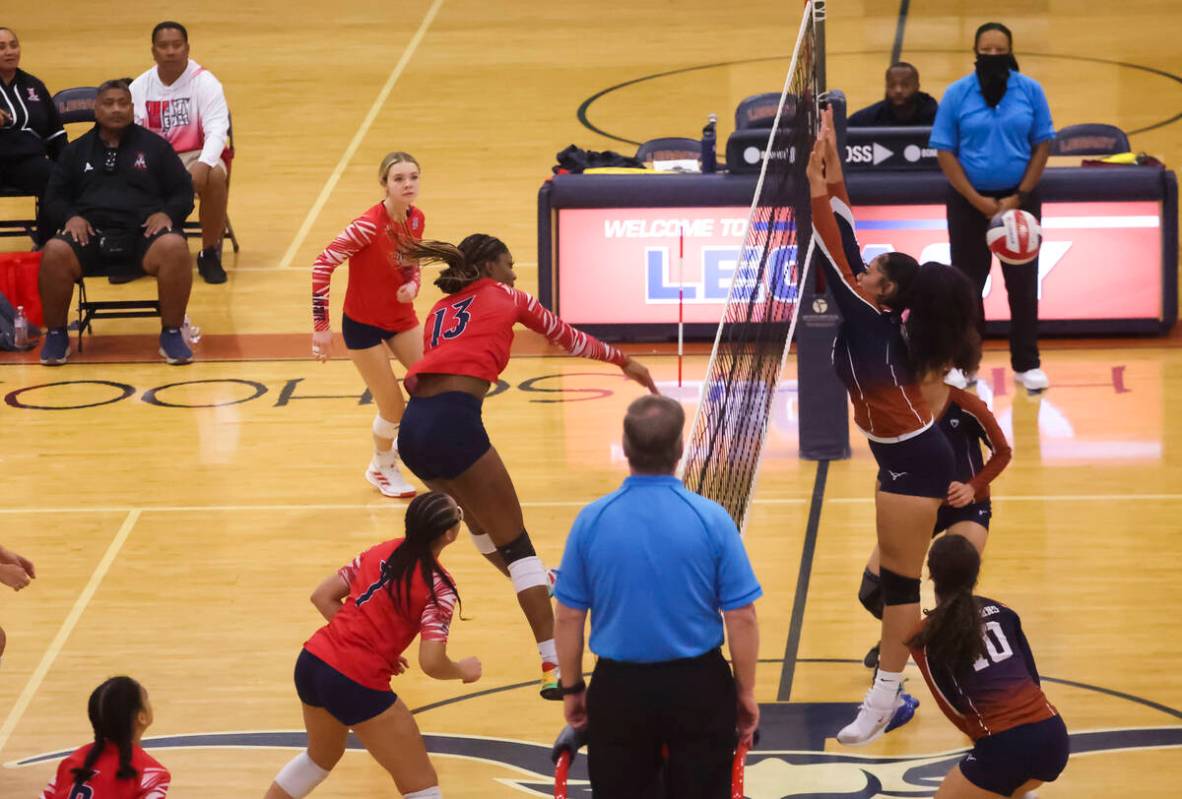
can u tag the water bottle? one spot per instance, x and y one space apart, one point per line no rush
20 329
709 138
190 332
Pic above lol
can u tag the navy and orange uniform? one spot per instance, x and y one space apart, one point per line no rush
967 423
1018 735
366 637
870 358
377 270
471 333
150 782
870 353
1002 690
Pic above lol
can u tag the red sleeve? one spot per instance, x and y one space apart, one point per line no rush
154 783
50 791
353 239
833 254
435 623
349 570
993 437
540 320
838 190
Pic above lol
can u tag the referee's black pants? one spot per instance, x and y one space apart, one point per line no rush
633 709
970 254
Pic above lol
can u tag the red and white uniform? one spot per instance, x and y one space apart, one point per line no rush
150 782
471 332
377 271
191 113
365 638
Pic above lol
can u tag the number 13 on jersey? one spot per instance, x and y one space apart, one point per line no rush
454 318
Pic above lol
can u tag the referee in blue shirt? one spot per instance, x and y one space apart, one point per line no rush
993 134
662 571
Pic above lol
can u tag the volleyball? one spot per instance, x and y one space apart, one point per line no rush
1014 237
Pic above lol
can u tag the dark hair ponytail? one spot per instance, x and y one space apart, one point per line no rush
463 262
941 325
429 516
952 636
112 708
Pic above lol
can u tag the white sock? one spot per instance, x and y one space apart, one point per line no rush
548 651
886 688
386 459
427 793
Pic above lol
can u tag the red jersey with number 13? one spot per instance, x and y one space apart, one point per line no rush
471 333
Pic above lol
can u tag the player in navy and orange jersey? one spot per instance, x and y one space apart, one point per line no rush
375 607
880 359
114 765
967 423
979 667
467 341
379 317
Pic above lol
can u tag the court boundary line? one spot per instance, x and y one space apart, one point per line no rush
351 150
573 503
804 573
68 624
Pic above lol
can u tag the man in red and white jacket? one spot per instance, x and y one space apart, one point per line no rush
185 104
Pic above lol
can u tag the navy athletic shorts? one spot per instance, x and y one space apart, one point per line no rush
979 512
360 336
1002 763
320 685
919 467
443 435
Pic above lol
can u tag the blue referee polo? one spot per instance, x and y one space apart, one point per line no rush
993 144
655 564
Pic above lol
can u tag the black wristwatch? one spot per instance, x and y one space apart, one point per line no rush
577 688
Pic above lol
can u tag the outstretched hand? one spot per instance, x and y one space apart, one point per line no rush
635 370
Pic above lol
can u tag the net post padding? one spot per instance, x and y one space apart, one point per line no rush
726 439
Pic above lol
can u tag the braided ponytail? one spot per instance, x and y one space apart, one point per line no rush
428 517
112 708
464 263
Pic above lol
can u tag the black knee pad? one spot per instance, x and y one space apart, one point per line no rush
519 548
870 593
897 589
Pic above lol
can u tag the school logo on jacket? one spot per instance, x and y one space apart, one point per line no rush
33 96
140 161
954 422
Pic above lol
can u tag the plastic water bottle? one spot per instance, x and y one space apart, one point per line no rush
190 332
20 329
709 139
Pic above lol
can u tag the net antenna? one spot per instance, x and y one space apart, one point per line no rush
725 444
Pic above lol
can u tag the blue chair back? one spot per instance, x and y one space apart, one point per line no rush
1090 138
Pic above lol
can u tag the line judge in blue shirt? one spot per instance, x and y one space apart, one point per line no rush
662 571
993 134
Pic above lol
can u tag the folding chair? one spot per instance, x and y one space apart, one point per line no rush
757 111
669 148
19 226
89 310
1090 138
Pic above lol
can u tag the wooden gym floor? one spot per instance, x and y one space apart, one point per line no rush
180 517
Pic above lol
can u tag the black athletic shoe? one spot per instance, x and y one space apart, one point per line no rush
871 659
209 265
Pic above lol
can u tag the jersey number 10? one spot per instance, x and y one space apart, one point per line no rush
996 645
460 319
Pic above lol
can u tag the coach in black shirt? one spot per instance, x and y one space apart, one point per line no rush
31 134
124 195
903 105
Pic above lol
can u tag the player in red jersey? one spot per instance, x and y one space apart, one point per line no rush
967 423
881 360
979 667
379 317
375 607
467 342
114 766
